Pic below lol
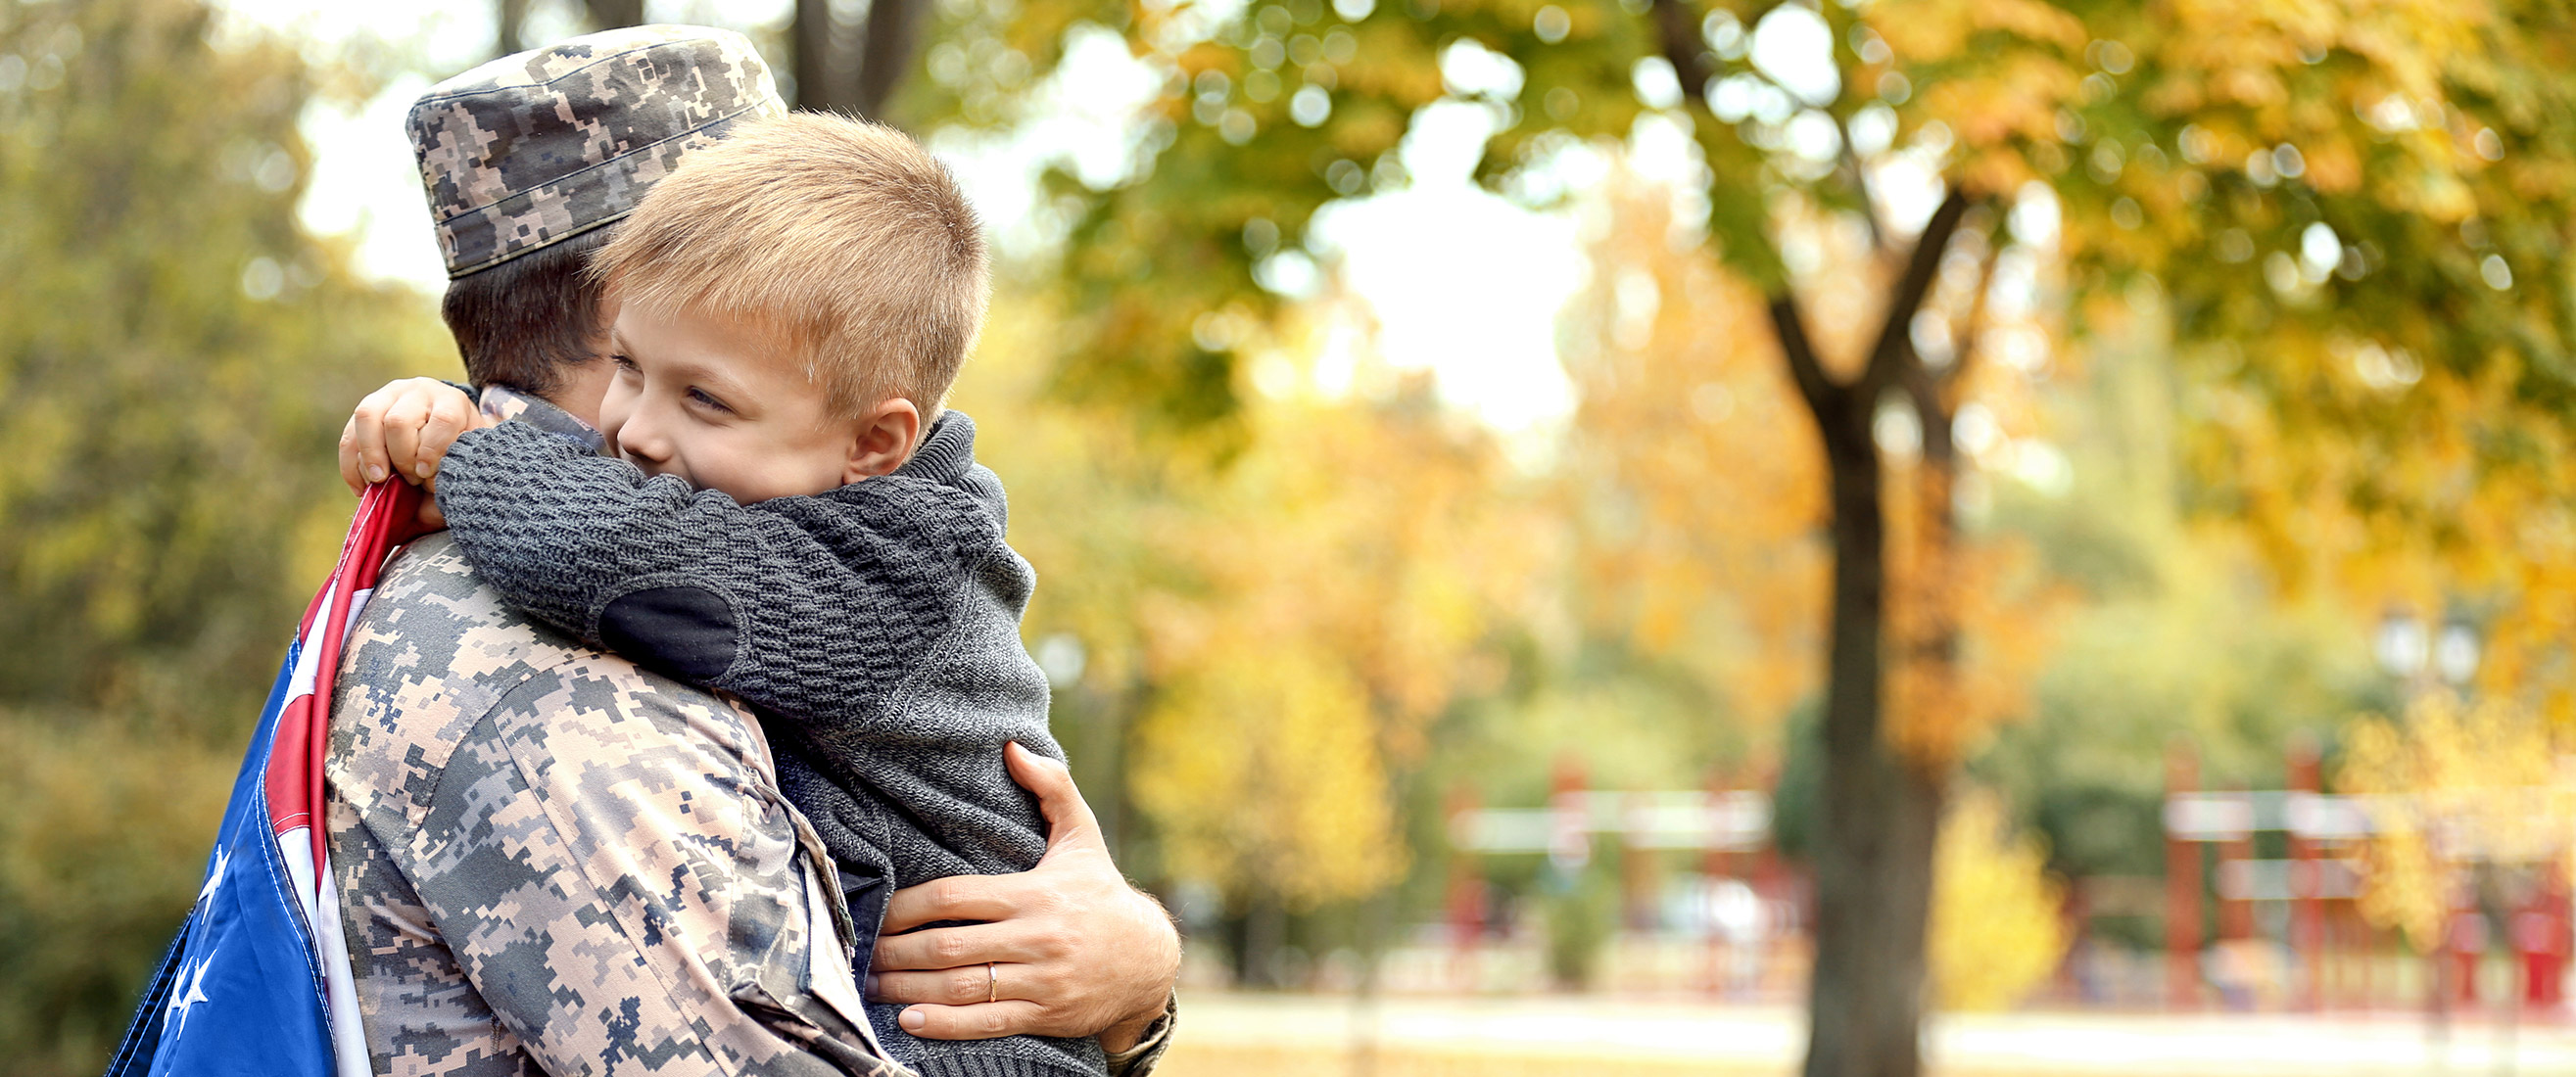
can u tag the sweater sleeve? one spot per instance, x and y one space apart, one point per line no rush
799 605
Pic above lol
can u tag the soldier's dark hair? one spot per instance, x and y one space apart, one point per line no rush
522 322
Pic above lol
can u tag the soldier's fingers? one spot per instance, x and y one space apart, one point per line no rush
955 947
981 1021
957 897
349 458
449 415
960 987
1069 819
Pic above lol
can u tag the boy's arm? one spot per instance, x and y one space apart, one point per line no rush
694 584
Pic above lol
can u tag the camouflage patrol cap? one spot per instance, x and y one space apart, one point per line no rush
538 147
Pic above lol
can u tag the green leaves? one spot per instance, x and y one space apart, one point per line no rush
178 353
178 356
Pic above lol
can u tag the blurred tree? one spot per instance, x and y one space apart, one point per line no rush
1715 570
510 21
2174 631
178 355
2337 199
1276 636
854 68
1997 928
1324 624
2458 793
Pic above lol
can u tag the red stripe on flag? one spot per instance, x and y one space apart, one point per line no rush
388 515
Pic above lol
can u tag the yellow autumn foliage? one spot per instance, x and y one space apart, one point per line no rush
1272 634
1262 766
2455 785
1996 932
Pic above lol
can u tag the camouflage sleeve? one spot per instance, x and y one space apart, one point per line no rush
799 605
407 979
1140 1059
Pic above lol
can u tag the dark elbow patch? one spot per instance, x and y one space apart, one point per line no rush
686 631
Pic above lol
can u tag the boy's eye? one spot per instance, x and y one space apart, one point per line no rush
700 395
624 363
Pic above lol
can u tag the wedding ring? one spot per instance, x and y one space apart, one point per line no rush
992 983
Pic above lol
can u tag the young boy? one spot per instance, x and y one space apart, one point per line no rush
789 515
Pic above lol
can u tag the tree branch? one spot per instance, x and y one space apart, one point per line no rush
1894 345
1683 49
1813 383
1879 240
1971 329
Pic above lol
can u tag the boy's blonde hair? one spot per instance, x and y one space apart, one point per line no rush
841 241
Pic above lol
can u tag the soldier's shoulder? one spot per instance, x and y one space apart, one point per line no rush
432 653
438 661
432 617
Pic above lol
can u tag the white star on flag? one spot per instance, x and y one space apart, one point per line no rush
215 878
188 1000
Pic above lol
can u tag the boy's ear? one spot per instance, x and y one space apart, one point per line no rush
885 440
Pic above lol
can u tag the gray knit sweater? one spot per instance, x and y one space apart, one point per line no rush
874 627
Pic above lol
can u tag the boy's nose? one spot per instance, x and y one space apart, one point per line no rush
640 438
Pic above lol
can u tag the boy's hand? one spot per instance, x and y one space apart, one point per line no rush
405 429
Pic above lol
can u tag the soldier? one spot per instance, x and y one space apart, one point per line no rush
550 860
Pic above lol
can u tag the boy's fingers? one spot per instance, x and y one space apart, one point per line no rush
449 415
368 429
403 420
349 457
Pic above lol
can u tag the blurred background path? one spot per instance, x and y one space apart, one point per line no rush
1255 1034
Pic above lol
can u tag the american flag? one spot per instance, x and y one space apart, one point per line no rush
257 983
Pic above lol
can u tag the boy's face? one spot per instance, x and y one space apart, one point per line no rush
702 399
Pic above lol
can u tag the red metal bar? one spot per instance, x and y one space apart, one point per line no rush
2236 915
1466 893
2182 891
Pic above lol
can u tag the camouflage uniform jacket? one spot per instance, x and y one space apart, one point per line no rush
874 627
551 860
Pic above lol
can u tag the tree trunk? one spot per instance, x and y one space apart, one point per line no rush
894 28
814 55
611 14
509 25
1878 814
854 70
1259 934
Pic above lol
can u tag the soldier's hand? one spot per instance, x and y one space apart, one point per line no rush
1074 950
405 429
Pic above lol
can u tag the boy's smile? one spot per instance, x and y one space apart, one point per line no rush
711 402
